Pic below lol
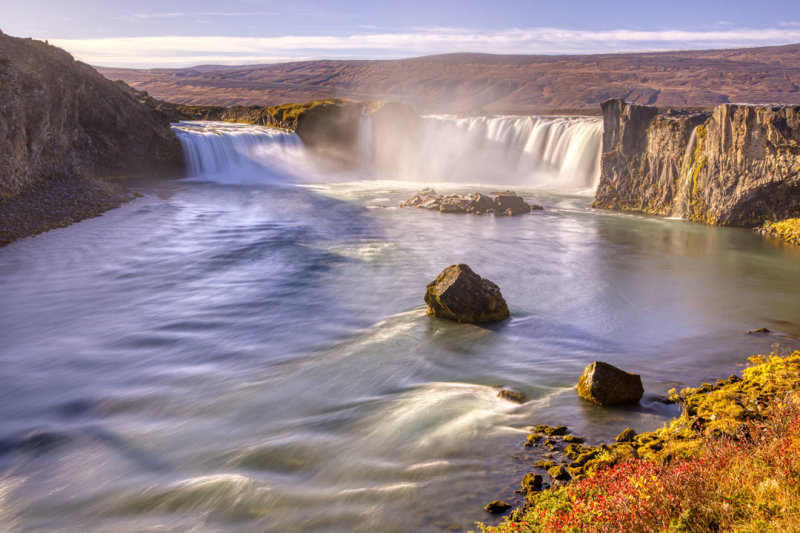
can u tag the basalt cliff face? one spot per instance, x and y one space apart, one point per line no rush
64 125
738 165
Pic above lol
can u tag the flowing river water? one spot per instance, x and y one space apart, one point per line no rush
248 350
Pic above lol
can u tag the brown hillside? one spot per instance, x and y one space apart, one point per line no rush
463 82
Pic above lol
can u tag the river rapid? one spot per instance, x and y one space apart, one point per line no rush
248 350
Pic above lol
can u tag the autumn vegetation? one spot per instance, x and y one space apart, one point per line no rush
729 462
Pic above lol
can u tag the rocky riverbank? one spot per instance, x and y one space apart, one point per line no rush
63 129
56 203
730 461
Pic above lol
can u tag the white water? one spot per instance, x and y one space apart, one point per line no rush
226 152
557 153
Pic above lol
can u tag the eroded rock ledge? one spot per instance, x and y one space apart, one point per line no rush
738 165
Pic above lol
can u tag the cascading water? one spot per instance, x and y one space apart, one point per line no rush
561 153
225 151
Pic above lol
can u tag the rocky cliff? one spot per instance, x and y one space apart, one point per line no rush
62 123
738 166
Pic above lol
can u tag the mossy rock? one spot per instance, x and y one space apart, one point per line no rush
497 507
627 435
532 439
532 482
605 384
559 473
551 430
573 439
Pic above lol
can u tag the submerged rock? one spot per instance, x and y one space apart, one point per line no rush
497 507
511 394
605 384
759 331
460 294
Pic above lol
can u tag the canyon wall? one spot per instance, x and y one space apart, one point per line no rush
738 165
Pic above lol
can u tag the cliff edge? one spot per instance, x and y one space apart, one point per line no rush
736 166
64 127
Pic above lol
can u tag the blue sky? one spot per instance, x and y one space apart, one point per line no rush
173 33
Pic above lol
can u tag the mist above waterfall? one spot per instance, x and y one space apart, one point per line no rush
554 152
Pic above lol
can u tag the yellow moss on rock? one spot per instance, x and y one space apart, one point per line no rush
787 230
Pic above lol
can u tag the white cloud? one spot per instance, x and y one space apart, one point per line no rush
185 50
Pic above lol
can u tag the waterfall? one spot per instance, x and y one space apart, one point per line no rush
555 152
232 152
561 153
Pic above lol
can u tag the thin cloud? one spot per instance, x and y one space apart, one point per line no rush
194 14
186 51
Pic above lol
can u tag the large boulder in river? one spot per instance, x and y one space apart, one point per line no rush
460 294
605 384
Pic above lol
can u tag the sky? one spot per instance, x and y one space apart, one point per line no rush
182 33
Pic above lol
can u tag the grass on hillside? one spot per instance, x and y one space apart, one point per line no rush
730 462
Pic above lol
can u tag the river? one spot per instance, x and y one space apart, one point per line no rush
248 350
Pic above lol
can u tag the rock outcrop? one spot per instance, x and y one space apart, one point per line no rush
505 203
737 166
605 384
460 294
59 121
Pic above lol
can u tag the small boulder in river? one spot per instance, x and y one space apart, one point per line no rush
515 204
480 203
605 384
420 198
460 294
511 394
454 204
